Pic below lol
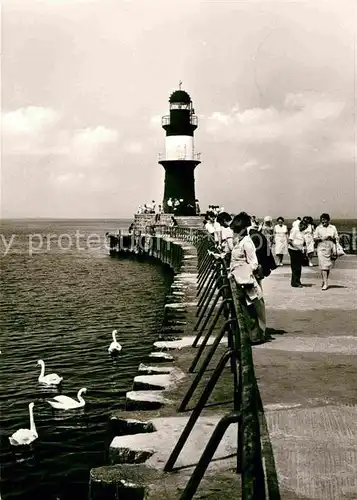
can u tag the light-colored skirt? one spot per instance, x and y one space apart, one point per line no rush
324 253
281 245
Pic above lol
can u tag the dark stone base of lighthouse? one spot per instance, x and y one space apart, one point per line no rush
180 185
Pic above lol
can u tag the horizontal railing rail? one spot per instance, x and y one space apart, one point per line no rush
165 120
181 155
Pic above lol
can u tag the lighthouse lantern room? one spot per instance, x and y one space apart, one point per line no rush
179 159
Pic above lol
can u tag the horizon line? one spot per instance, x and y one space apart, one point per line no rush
34 217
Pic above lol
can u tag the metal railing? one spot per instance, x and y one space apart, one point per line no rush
219 307
181 155
348 240
218 304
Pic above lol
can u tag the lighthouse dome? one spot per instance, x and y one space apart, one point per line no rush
180 96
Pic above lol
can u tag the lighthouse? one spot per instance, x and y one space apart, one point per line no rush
179 159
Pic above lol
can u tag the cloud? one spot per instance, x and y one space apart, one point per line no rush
26 131
300 153
254 164
41 132
249 164
28 121
318 106
88 143
95 136
266 166
302 121
251 125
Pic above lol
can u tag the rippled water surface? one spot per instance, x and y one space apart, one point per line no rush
60 305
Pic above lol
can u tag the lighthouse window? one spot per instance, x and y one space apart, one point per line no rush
180 105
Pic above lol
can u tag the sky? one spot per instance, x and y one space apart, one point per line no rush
85 83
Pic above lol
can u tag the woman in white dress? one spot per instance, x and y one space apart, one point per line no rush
309 239
280 240
244 267
326 237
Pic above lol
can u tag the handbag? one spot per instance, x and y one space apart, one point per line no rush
337 251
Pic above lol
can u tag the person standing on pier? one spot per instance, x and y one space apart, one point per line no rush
280 240
226 237
297 252
296 223
246 271
267 229
309 238
213 227
254 222
169 206
326 237
158 213
263 250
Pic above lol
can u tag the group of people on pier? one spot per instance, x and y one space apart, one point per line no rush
181 207
174 206
150 208
249 247
216 209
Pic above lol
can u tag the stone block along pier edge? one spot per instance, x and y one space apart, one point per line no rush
210 416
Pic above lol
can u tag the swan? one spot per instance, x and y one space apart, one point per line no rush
25 436
114 347
51 379
66 403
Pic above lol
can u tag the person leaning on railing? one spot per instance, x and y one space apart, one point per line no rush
213 227
247 274
226 236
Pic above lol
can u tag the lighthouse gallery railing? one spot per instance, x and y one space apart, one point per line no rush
165 120
183 155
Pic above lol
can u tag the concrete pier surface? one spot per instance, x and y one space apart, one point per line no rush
307 377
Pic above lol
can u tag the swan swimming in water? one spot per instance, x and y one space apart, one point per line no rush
25 436
66 403
51 379
114 347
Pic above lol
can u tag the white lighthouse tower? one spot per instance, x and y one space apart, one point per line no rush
180 159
